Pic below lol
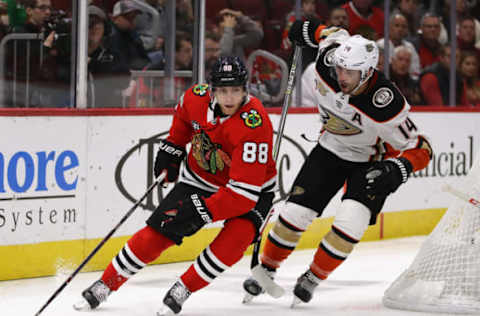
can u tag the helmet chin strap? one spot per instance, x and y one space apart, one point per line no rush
362 81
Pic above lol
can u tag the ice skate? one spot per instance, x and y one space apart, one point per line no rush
92 296
304 288
174 299
252 287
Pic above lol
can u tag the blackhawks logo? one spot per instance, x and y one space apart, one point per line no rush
200 89
252 119
208 155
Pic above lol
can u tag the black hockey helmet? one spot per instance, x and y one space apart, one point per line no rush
228 71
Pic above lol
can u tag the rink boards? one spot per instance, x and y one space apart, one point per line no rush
66 181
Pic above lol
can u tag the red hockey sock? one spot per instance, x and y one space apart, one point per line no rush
143 247
226 250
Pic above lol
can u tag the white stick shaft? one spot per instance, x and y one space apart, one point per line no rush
461 195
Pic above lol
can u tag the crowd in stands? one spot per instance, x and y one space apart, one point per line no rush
131 35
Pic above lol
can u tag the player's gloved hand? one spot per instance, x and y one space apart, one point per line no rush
302 33
191 215
332 35
384 177
169 157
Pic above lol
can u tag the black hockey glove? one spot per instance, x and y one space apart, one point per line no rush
169 157
303 33
385 177
191 215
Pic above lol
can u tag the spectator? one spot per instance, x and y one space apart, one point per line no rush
152 35
15 10
463 9
37 73
238 33
338 17
466 35
469 67
38 12
183 51
435 81
398 27
4 28
184 16
124 38
110 75
399 74
212 51
365 19
183 61
426 43
412 11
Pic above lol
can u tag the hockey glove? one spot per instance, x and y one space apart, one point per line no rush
303 33
191 215
385 177
169 157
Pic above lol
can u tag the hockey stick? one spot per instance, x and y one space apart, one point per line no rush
461 195
157 181
265 281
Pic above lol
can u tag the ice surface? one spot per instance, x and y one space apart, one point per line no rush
355 288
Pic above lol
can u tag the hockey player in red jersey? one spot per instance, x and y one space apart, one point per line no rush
367 141
229 174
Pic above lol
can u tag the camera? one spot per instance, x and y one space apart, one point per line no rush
61 23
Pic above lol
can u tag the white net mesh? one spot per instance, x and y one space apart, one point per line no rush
445 275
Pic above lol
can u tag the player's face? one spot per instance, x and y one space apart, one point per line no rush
230 98
347 79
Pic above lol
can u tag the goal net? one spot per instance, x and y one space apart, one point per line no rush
445 275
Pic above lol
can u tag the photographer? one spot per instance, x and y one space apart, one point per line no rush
45 73
108 75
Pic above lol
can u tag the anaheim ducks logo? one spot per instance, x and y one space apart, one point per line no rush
297 190
320 87
337 125
200 89
208 155
252 119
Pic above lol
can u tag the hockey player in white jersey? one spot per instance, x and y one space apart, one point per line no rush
367 141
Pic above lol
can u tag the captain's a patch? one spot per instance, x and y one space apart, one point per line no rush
252 119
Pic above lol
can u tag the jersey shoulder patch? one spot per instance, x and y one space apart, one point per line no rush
195 95
382 97
381 101
200 89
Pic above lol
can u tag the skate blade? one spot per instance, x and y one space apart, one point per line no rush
165 311
295 302
247 298
82 306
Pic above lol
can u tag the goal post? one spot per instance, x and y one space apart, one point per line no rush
444 277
